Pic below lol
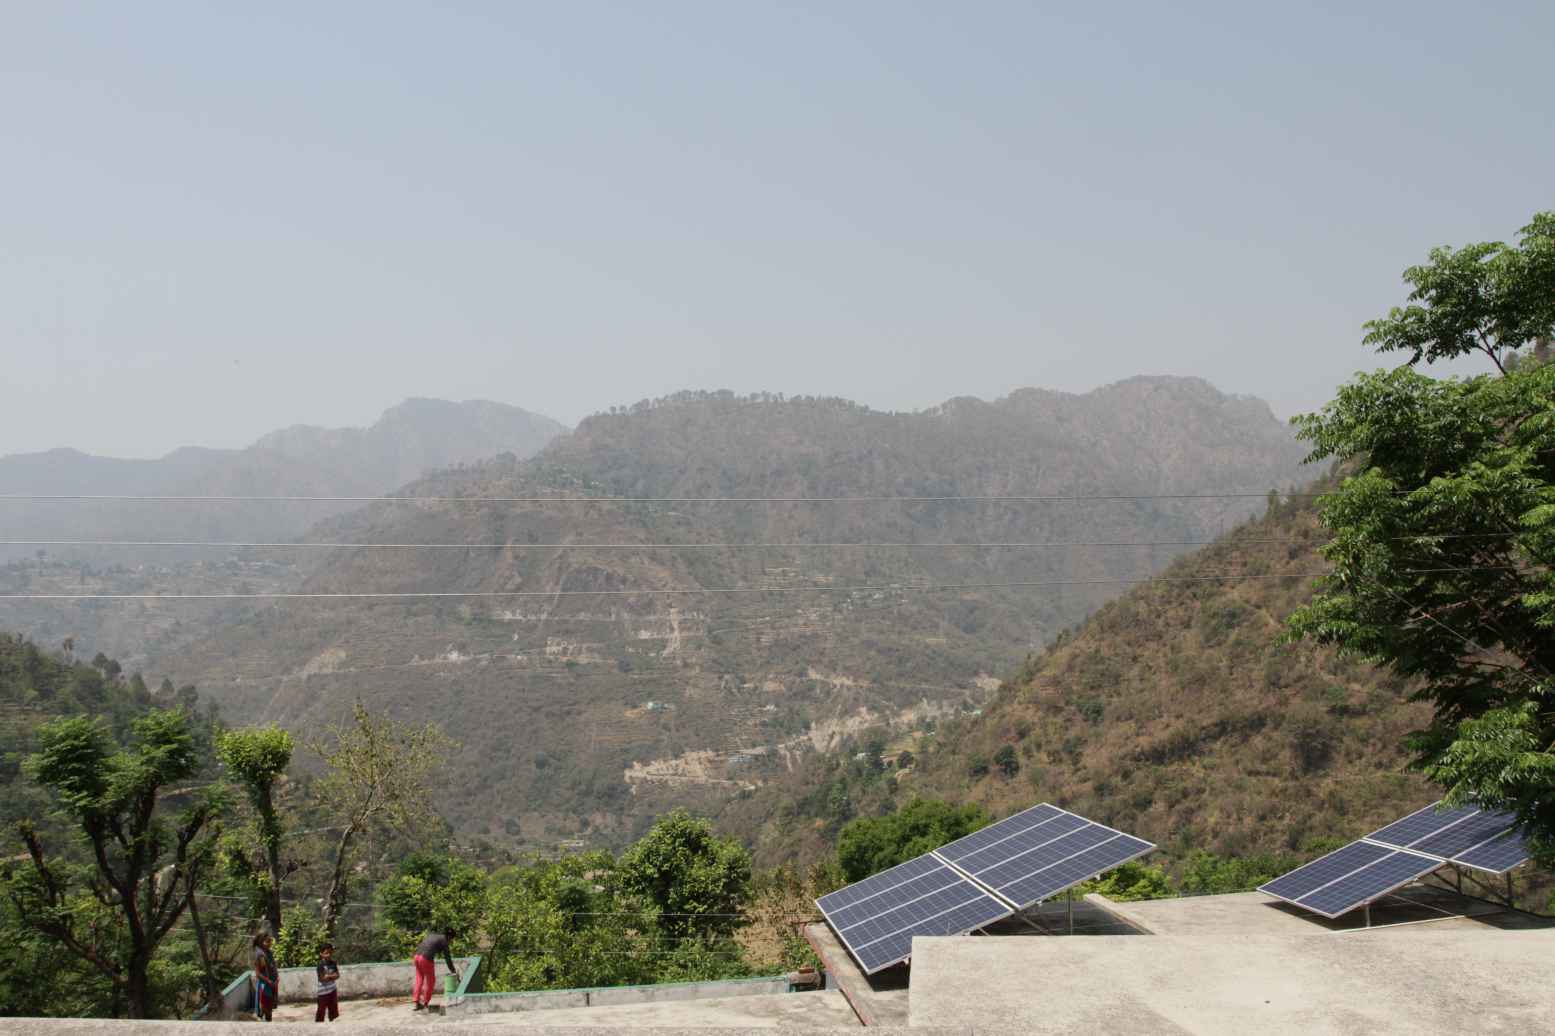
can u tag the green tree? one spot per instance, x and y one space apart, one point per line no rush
1204 873
1006 760
560 924
696 881
1444 535
1132 881
869 845
144 870
433 891
380 772
257 757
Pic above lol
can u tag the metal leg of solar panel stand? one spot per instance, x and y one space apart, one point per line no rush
1511 899
1368 915
1069 895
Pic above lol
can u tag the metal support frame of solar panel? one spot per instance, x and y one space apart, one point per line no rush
877 918
1402 852
1040 852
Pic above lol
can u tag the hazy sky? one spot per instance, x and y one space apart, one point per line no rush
218 219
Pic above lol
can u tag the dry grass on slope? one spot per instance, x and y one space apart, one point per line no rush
1176 712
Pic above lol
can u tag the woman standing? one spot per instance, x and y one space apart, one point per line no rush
267 978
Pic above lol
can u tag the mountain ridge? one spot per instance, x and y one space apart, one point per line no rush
584 714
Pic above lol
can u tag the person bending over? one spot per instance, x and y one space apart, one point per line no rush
426 970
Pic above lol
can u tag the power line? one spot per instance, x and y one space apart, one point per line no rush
573 500
688 591
621 546
792 545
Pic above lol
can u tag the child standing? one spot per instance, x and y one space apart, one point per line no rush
329 971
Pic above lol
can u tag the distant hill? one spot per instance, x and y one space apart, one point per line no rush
1175 712
586 714
408 441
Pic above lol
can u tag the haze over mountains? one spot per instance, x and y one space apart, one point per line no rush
585 701
409 440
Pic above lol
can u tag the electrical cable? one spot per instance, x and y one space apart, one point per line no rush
947 498
683 591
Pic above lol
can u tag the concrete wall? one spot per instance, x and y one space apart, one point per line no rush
356 982
551 999
369 981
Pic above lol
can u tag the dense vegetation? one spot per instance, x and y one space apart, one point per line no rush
1444 539
153 841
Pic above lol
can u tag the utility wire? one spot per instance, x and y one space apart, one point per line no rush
608 546
910 545
950 498
687 591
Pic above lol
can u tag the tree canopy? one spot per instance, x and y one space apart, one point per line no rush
1444 530
871 844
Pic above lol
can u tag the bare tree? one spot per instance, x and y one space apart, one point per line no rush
380 773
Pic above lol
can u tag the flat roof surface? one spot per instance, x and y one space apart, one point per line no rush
1254 913
1238 963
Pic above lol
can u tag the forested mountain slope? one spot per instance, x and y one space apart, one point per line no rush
586 707
1176 712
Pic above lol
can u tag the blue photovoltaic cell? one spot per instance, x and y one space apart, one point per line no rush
1024 845
877 918
1354 890
907 891
875 884
970 913
1419 825
1498 855
1012 870
1481 827
1056 877
1324 869
1004 829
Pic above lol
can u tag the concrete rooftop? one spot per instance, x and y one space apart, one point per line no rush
1242 963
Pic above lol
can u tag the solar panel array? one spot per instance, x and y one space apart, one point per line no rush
972 882
1403 851
876 918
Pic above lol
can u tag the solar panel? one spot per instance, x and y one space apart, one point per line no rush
1039 852
1012 864
1419 825
1470 837
1313 876
1393 871
877 918
1464 835
1399 853
1498 855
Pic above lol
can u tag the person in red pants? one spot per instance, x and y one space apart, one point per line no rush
426 971
329 996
